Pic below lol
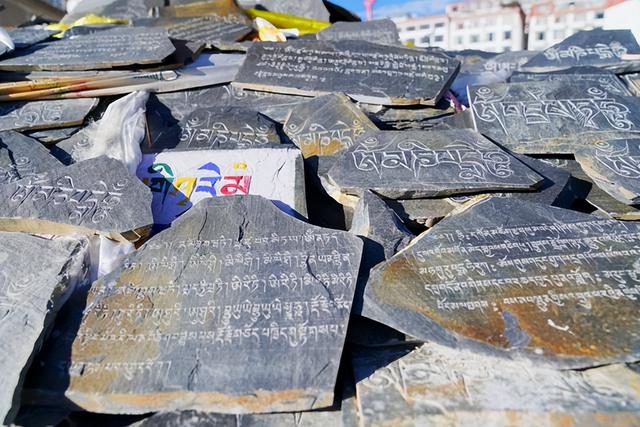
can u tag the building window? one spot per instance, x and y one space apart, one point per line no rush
599 15
425 39
540 35
439 24
559 19
507 35
425 27
490 37
411 28
475 38
460 26
460 40
579 17
438 39
558 34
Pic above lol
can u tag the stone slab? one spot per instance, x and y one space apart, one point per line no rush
415 164
408 118
517 280
217 128
181 179
311 9
27 36
383 31
232 283
23 157
51 136
614 166
595 48
603 78
209 29
365 71
95 196
551 117
326 125
104 49
31 115
434 385
37 276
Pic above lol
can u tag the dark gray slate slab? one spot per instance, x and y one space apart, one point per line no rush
23 157
208 29
434 385
36 277
383 31
633 82
596 48
95 196
326 125
312 9
112 8
551 117
615 167
233 283
104 49
44 114
51 136
517 280
218 128
602 78
27 36
365 71
416 164
408 118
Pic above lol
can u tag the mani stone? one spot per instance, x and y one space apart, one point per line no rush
181 179
22 157
206 29
437 386
189 319
27 36
551 117
517 280
218 128
104 49
310 9
326 125
37 276
415 164
31 115
382 31
603 78
614 166
595 48
367 72
94 196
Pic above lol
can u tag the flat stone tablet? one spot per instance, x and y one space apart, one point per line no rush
27 36
434 385
596 48
23 157
551 117
218 128
206 29
311 9
180 179
365 71
94 196
51 136
326 125
383 31
104 49
517 280
603 78
36 277
415 164
189 319
31 115
615 167
411 118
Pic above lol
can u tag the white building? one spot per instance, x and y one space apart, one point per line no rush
623 15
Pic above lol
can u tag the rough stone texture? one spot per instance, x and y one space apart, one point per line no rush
410 118
311 9
614 166
218 128
596 48
437 386
180 179
51 136
44 114
603 78
95 196
607 206
383 31
416 164
551 117
365 71
208 29
232 284
518 280
104 49
326 125
36 277
633 82
22 157
27 36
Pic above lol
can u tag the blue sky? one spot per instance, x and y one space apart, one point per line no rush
387 8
